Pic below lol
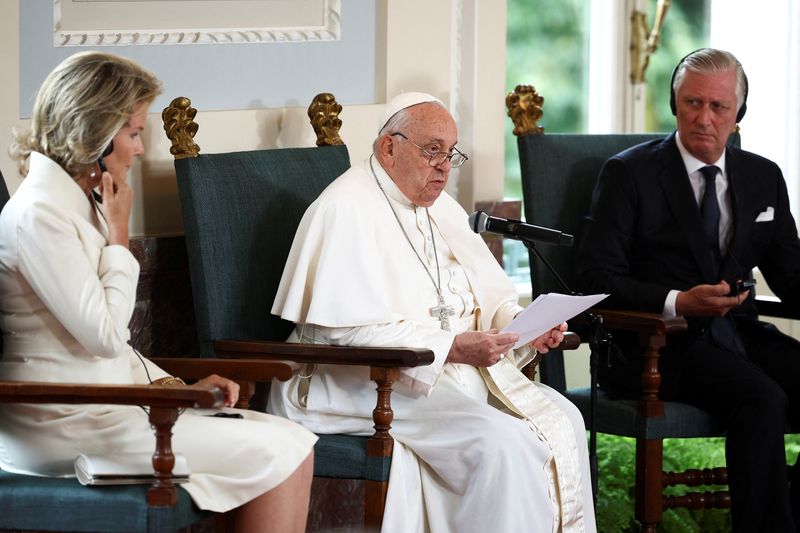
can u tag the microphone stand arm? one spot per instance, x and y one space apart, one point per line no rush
599 342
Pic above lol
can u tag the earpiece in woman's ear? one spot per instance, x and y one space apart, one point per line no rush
106 153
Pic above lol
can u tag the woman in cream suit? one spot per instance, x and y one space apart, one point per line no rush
67 291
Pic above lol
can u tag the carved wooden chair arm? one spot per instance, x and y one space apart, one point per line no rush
325 354
653 330
164 403
236 369
384 366
641 322
76 393
571 341
246 372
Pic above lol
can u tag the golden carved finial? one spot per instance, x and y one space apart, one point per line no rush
525 109
181 128
644 41
324 114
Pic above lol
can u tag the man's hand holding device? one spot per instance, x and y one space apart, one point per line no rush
740 286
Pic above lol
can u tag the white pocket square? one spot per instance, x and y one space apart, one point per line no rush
767 215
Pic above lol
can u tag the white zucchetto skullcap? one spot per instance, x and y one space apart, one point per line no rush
403 101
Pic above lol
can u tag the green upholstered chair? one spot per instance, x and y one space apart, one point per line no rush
32 503
240 212
559 172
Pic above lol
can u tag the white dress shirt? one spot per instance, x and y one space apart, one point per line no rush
698 182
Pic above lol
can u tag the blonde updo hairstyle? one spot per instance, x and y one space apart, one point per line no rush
80 106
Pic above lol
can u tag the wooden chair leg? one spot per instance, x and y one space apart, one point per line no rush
163 491
380 445
649 474
375 502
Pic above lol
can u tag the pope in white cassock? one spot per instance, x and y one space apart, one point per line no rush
385 258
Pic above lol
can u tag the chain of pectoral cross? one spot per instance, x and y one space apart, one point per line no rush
440 310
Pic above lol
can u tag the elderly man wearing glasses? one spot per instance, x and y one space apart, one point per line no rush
385 257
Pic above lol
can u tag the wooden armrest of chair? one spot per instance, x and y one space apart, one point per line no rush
150 395
774 307
384 366
325 354
164 403
246 372
236 369
653 329
571 341
641 322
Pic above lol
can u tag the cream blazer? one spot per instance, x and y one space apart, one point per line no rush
66 298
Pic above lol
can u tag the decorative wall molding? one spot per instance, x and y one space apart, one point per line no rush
456 53
456 80
65 35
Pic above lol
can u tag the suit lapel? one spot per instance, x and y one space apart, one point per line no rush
678 191
743 215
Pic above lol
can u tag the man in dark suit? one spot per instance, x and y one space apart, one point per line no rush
655 241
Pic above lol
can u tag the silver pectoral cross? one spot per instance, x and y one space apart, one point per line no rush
442 311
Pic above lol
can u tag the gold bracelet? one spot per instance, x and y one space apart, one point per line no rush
168 380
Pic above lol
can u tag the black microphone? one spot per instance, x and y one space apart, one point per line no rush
515 229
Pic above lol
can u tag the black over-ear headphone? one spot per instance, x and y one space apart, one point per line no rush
673 105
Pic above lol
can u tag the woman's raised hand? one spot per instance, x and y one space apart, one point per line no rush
117 202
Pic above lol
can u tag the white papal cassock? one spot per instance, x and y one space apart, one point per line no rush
475 450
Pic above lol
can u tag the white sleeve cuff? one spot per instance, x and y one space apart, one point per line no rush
669 304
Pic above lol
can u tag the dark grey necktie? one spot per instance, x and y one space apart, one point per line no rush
710 211
722 329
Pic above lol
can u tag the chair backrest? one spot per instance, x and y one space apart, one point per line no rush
4 196
240 213
559 172
558 175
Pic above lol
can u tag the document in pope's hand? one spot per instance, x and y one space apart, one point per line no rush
546 311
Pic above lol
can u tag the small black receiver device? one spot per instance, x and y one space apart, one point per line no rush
106 153
740 286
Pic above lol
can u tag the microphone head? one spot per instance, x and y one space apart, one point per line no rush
478 221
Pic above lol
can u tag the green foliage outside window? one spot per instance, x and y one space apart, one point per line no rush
547 47
616 465
685 29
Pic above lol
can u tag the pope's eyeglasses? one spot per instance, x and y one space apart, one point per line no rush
437 158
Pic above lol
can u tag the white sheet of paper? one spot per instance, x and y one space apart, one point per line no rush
547 311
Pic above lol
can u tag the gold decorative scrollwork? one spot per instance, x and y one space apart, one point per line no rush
181 128
324 114
644 41
525 109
